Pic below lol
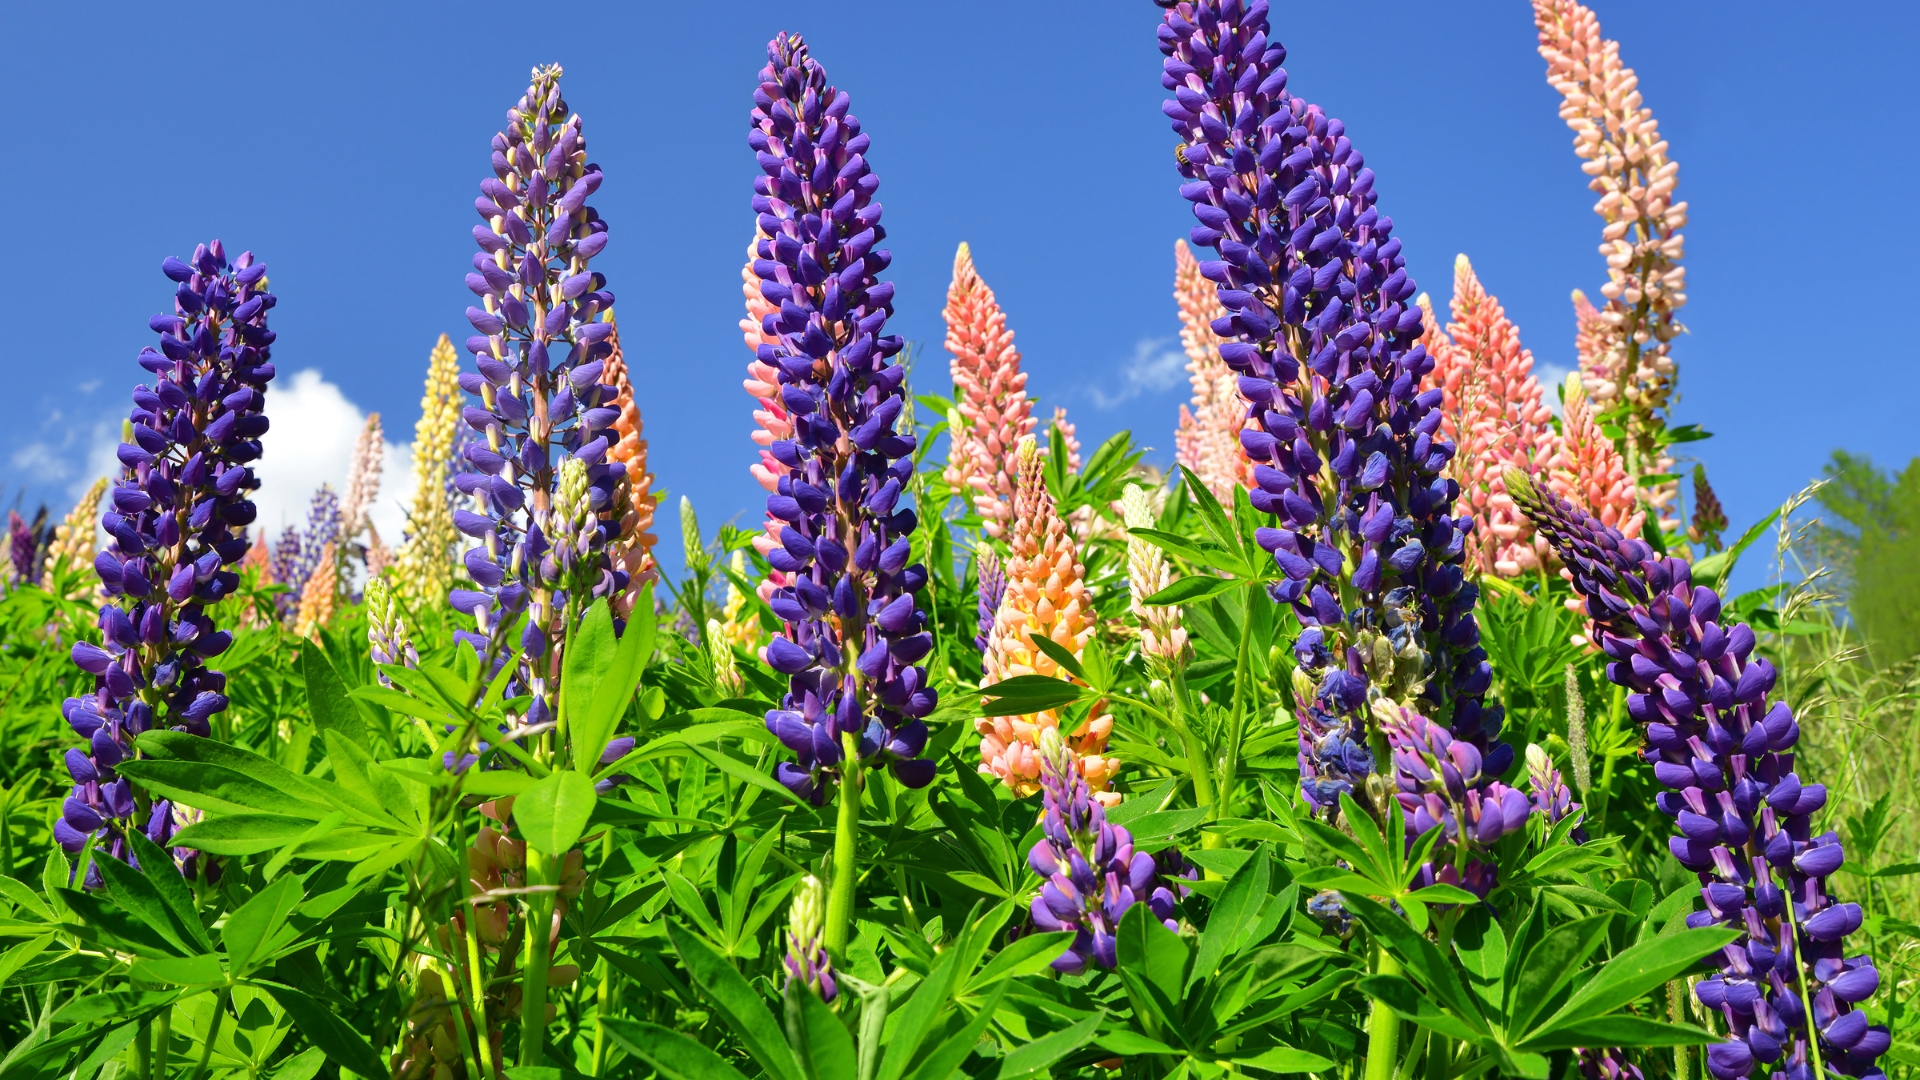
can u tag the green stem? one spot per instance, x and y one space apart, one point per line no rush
1682 1061
1197 762
450 979
846 840
533 992
1383 1028
213 1031
1800 973
143 1050
477 989
162 1042
602 995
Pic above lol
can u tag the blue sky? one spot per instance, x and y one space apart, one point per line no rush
344 144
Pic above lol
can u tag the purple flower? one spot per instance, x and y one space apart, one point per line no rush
853 633
543 323
1092 873
178 520
1347 454
23 544
806 959
1442 784
1744 816
993 587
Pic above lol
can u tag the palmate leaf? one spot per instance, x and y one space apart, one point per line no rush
1036 1054
1635 973
727 992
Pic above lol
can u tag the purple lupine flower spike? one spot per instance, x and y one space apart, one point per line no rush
853 632
1092 873
540 344
1744 816
284 569
1442 783
23 545
993 588
178 521
300 550
1347 455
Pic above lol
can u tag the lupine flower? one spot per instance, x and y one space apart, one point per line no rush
182 492
852 635
1347 450
989 394
1619 141
387 639
24 543
992 589
281 570
1588 470
1092 873
1442 783
363 482
726 673
634 500
1329 909
806 959
1550 796
1208 438
1744 816
540 349
1709 517
1045 597
1494 413
1162 639
313 544
318 595
72 547
738 625
424 568
1609 1064
763 379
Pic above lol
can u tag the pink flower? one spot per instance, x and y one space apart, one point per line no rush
1208 439
990 397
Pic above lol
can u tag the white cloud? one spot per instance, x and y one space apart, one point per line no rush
309 442
1153 367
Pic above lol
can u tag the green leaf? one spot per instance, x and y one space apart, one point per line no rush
248 932
736 1003
1617 1030
1285 1059
1234 916
1442 893
1482 949
818 1037
1550 965
1188 589
323 1027
1175 544
1408 1003
1024 956
135 895
327 700
747 774
1637 971
244 834
589 655
21 955
957 1047
1212 515
301 1066
593 727
1128 1043
1037 1054
201 970
1059 654
1422 958
673 1055
553 812
1028 694
927 1005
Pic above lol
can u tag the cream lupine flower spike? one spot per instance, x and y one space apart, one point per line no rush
424 568
1625 349
1208 438
1045 595
1494 412
1162 639
72 546
634 500
990 397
